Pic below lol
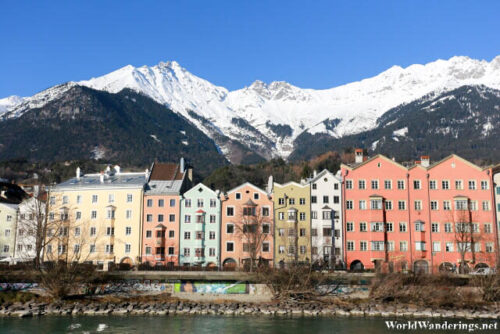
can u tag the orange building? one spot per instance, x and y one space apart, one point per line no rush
160 237
247 227
423 217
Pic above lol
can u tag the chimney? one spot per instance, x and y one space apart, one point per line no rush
181 165
36 190
190 174
146 174
315 173
108 169
78 173
117 170
101 177
358 155
425 161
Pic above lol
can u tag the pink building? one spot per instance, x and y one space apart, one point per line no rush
247 221
418 217
160 237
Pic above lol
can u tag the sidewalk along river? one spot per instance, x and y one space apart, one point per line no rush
229 325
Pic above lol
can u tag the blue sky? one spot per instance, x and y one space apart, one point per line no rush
313 44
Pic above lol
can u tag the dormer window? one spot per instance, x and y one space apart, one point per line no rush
237 195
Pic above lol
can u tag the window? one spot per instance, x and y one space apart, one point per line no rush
435 227
376 204
265 247
65 200
363 246
291 201
390 246
302 232
213 203
49 248
459 184
161 203
361 184
473 205
199 235
489 247
187 203
266 228
110 231
238 195
171 234
388 205
377 245
418 205
416 184
171 218
281 249
485 185
213 219
281 201
149 203
336 199
199 202
487 228
78 215
265 211
7 233
314 250
362 205
446 205
110 214
149 218
349 205
350 245
461 204
93 214
111 198
336 186
160 233
211 251
171 251
129 198
403 246
419 226
128 247
401 184
187 219
362 227
77 231
348 184
93 231
388 184
314 186
445 184
281 215
229 228
314 199
447 227
472 185
376 226
314 215
291 232
94 198
281 232
149 234
109 249
327 215
434 205
211 235
432 184
401 205
187 252
389 227
128 230
302 249
61 249
350 226
420 245
230 211
486 205
449 247
229 246
255 196
327 232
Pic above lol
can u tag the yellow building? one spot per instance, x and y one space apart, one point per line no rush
292 216
96 218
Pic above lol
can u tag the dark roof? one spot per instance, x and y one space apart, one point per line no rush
250 203
166 171
12 193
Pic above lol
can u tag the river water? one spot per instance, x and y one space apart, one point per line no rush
208 325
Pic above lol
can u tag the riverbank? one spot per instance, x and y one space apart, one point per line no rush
225 308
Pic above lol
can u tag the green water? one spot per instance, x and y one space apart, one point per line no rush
202 325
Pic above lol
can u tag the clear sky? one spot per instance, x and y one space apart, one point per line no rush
311 44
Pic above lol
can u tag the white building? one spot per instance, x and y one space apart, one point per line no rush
30 215
326 218
496 182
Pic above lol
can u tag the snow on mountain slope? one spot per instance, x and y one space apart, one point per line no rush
9 103
268 117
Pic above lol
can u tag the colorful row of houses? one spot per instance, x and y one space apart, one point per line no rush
372 214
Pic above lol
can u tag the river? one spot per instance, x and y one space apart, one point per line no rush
206 325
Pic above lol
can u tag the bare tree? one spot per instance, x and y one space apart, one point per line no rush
466 234
254 228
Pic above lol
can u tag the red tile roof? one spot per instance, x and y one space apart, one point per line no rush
166 171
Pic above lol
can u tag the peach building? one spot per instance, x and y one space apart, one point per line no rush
418 217
247 222
160 234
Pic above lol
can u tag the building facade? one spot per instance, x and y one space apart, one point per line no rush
200 227
292 217
162 196
423 217
96 218
496 188
247 227
326 219
8 222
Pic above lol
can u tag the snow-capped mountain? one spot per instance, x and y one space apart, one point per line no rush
9 103
268 117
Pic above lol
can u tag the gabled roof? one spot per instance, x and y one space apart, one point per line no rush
166 171
195 189
326 207
244 185
291 183
467 162
356 166
321 174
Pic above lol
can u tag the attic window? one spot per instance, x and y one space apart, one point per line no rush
379 164
200 189
325 179
247 192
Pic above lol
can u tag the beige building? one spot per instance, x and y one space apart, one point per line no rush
97 218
